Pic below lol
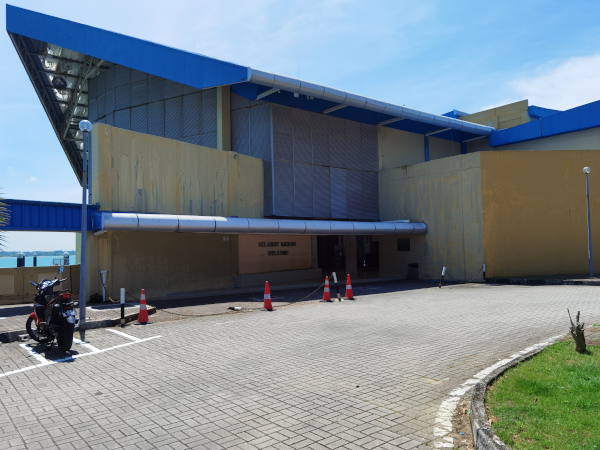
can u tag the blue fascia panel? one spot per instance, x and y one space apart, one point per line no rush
576 119
192 69
537 112
455 114
30 215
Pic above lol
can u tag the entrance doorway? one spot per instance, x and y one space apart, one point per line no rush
330 254
367 255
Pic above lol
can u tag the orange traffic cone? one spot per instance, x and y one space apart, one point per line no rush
349 294
267 298
143 315
327 290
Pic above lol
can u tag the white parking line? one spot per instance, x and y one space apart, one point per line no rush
47 362
35 355
2 318
86 345
125 335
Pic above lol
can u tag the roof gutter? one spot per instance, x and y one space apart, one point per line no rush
113 221
345 98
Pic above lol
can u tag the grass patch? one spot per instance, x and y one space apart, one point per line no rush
551 401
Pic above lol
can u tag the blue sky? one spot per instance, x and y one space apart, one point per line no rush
430 55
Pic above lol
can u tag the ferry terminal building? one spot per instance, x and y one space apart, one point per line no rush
210 175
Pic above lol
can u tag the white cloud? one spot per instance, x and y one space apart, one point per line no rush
561 85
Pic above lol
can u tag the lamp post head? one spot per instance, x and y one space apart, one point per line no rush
86 125
587 170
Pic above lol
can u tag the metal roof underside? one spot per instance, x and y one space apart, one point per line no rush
60 56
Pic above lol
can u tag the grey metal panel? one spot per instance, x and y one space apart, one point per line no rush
173 118
321 192
208 115
260 131
303 148
209 139
109 100
282 120
268 187
122 96
240 141
320 148
283 146
122 119
283 188
173 89
101 104
158 222
121 76
318 227
368 147
139 92
156 89
292 226
196 223
303 190
197 140
139 119
338 199
136 75
92 110
156 118
192 111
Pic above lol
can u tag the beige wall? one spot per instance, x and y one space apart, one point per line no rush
534 212
445 194
15 284
272 253
143 173
401 148
162 263
504 116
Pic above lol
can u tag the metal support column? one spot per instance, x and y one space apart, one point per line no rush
587 171
86 127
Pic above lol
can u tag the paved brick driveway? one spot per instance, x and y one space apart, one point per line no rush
365 374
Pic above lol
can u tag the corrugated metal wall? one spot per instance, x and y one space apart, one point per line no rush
137 101
323 166
315 165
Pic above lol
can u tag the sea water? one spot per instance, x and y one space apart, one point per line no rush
11 261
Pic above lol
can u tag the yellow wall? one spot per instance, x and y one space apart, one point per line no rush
143 173
534 211
445 194
162 263
15 284
505 116
401 148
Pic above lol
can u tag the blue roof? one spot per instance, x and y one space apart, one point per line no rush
575 119
537 112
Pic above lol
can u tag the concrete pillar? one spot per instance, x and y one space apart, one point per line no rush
350 252
223 118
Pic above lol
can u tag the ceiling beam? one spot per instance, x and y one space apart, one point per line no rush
334 108
441 130
392 120
266 93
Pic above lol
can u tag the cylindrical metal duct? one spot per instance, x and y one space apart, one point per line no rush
345 98
241 225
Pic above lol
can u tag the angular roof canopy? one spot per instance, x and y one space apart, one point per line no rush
60 56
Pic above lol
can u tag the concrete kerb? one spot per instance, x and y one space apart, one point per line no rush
483 435
14 335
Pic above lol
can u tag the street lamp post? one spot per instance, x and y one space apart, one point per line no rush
587 171
86 128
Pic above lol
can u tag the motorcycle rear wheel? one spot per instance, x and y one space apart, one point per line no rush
34 333
64 337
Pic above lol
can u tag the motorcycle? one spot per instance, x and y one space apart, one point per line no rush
53 315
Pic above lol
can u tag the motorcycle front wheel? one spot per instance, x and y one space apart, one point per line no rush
34 332
64 337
